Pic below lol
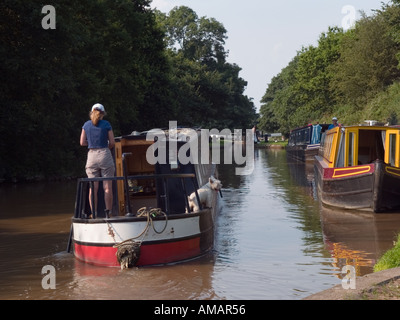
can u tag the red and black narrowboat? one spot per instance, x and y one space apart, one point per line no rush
152 222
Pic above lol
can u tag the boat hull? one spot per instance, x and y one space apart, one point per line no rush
373 187
183 236
303 153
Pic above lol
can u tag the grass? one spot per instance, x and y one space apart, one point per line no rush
278 143
390 259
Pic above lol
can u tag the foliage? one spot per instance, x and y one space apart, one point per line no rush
300 93
367 64
206 90
352 75
200 39
101 51
390 259
108 51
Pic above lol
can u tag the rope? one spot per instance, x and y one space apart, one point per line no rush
151 214
129 250
128 254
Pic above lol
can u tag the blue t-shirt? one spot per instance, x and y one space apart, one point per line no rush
331 126
97 136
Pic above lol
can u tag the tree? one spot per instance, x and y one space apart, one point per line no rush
280 101
200 39
345 72
313 76
108 51
391 14
207 91
367 64
300 93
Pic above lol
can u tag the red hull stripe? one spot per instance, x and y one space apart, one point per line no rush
150 254
346 172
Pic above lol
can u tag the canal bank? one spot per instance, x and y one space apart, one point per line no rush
276 146
382 285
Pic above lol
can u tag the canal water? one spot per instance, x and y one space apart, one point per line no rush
273 241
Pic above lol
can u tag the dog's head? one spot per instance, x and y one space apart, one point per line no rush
215 184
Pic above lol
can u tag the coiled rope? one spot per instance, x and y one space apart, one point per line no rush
151 214
128 252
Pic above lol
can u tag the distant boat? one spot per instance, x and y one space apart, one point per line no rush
358 167
154 222
303 144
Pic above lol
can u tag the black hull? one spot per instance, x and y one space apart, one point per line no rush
302 153
376 191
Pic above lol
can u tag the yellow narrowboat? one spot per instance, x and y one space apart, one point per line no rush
358 167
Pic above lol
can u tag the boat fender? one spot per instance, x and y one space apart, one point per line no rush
128 254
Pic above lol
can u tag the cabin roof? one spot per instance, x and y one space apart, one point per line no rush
366 127
179 134
323 125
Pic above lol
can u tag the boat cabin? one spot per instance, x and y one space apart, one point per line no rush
152 221
304 142
360 145
142 188
310 134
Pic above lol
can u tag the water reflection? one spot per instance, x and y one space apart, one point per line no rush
274 231
191 280
354 238
273 241
357 238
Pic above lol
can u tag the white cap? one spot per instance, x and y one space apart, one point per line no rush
99 107
334 118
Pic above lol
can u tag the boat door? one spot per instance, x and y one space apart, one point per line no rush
392 147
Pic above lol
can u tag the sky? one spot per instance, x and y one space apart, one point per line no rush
264 36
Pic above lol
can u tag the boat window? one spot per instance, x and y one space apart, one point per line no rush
392 149
307 135
328 146
383 134
350 149
340 158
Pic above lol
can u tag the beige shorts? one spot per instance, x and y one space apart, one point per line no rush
100 163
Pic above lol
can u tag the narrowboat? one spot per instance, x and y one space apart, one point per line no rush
303 144
152 222
358 167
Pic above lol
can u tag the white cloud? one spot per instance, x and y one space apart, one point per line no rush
162 5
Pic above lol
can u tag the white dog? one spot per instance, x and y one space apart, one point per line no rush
205 194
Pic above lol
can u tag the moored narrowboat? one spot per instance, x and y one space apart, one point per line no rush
304 142
153 221
358 167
